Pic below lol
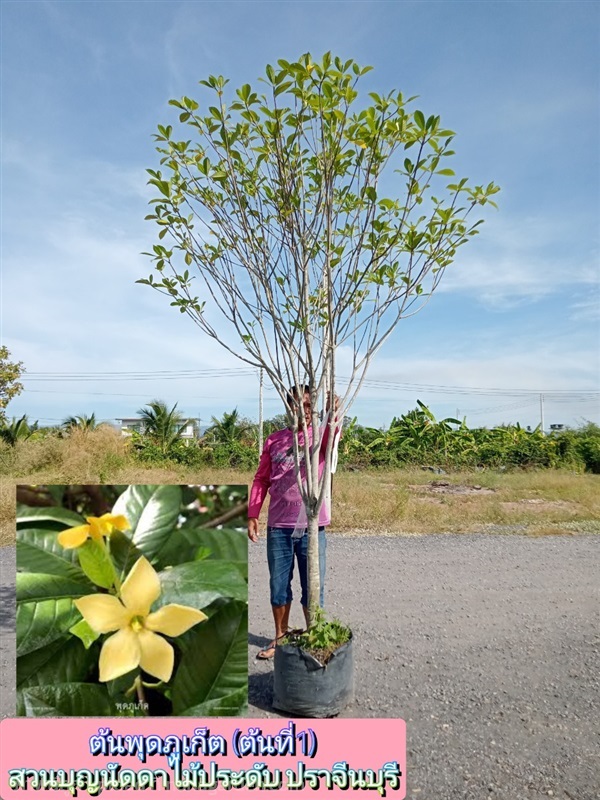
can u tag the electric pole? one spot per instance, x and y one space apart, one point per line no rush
260 411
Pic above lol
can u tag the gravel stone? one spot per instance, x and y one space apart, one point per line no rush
488 645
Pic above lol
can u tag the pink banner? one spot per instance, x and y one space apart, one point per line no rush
223 757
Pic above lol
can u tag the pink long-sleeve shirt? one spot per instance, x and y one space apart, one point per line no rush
275 475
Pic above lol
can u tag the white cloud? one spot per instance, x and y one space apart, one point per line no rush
585 309
521 260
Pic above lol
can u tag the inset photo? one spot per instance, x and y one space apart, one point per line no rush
132 600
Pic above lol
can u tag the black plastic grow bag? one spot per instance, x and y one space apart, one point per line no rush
303 687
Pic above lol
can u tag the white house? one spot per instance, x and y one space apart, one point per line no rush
130 425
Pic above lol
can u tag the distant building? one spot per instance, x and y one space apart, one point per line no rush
131 425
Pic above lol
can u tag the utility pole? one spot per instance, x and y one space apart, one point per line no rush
260 411
542 413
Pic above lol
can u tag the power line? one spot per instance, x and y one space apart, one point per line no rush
559 395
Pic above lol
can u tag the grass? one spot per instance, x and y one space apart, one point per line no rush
546 501
385 501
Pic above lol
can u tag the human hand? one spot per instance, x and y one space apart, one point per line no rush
253 529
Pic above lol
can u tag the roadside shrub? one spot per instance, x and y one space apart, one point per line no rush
588 446
235 454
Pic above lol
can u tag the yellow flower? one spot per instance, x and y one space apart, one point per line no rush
136 644
96 528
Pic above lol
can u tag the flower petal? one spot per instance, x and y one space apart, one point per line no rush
119 655
119 522
141 587
105 524
103 612
73 537
157 655
99 527
173 620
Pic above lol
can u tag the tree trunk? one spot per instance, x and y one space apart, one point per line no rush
314 576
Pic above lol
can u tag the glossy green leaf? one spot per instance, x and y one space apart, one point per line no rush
67 700
232 705
152 512
123 551
65 660
38 551
41 622
97 564
33 586
192 543
66 519
214 666
183 545
198 583
227 545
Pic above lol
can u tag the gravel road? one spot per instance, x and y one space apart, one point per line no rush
487 645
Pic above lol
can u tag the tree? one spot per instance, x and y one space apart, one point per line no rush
10 372
81 422
282 206
17 430
164 427
231 428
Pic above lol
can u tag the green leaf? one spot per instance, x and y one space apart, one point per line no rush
232 705
152 512
69 519
445 172
41 622
214 667
63 661
224 544
84 633
419 119
36 586
97 564
67 700
123 552
182 546
198 583
38 551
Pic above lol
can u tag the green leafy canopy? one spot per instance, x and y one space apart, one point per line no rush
277 201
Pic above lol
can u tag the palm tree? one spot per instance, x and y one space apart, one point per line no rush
231 428
81 422
164 427
17 430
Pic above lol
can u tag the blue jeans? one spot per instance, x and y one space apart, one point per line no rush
281 550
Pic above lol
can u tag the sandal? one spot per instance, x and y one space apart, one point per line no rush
268 652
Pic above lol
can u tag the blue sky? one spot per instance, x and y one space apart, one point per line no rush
84 85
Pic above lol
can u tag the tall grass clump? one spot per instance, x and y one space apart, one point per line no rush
81 457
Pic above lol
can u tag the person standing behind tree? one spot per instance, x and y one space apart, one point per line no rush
286 542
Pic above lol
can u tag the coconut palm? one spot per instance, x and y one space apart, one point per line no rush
231 428
17 430
164 427
81 422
